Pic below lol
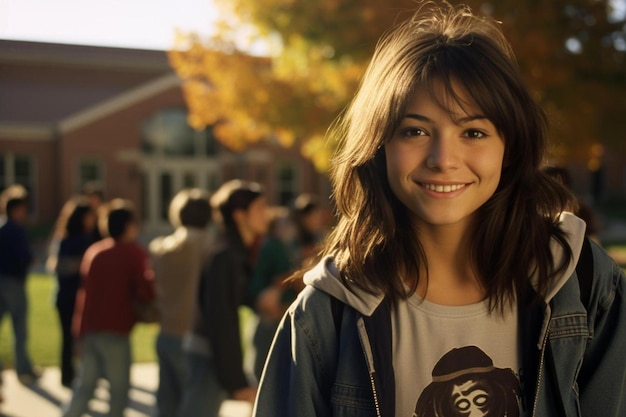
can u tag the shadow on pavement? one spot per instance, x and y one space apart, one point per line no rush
45 394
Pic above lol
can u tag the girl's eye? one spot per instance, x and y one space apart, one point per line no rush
413 131
474 134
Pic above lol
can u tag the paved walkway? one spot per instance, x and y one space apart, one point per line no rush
44 398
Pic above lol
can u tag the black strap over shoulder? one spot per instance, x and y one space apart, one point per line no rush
584 272
337 307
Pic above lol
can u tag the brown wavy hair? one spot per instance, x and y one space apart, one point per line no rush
373 243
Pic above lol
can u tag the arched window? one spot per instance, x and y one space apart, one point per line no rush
167 133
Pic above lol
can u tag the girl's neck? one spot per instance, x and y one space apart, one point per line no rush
450 243
451 278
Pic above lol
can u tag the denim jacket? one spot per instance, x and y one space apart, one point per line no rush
337 362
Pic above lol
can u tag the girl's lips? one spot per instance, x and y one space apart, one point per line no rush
443 188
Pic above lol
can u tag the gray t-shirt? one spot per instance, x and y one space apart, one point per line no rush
455 361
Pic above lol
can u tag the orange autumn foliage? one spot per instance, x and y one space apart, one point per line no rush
319 50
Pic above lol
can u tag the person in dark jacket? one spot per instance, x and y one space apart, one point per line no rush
214 348
72 236
16 257
271 294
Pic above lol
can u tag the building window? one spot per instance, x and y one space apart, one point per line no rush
211 146
213 182
189 180
18 169
286 183
90 170
23 171
167 192
167 133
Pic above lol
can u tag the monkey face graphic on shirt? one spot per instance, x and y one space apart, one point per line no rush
466 384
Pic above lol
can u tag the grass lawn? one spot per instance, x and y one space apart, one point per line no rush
618 252
45 333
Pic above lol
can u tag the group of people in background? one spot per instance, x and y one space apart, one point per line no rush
226 250
202 279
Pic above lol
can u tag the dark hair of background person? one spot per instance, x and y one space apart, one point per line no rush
190 208
13 196
71 218
116 217
304 205
232 196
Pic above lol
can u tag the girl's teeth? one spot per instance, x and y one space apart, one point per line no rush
443 188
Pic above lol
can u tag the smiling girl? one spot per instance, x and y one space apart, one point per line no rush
449 285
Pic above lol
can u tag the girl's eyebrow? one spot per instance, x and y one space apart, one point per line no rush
461 120
471 118
417 117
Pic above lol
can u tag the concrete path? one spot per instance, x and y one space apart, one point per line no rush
44 399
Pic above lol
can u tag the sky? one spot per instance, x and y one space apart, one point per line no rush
143 24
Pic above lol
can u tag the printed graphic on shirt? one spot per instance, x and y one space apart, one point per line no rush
465 383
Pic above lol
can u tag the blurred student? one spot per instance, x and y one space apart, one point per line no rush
16 257
271 297
310 221
93 191
72 236
177 260
214 349
116 277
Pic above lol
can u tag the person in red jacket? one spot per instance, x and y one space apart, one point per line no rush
116 278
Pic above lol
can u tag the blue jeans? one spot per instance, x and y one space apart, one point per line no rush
203 394
13 300
104 355
172 374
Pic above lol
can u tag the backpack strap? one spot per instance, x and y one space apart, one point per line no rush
584 272
337 307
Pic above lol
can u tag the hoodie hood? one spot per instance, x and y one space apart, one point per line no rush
574 229
325 275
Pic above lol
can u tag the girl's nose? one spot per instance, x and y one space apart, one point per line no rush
442 154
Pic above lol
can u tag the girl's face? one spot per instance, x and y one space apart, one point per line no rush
444 164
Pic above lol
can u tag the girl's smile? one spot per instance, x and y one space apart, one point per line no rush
444 190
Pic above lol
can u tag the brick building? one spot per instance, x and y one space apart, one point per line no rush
71 114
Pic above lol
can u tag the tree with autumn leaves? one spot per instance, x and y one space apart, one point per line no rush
572 53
